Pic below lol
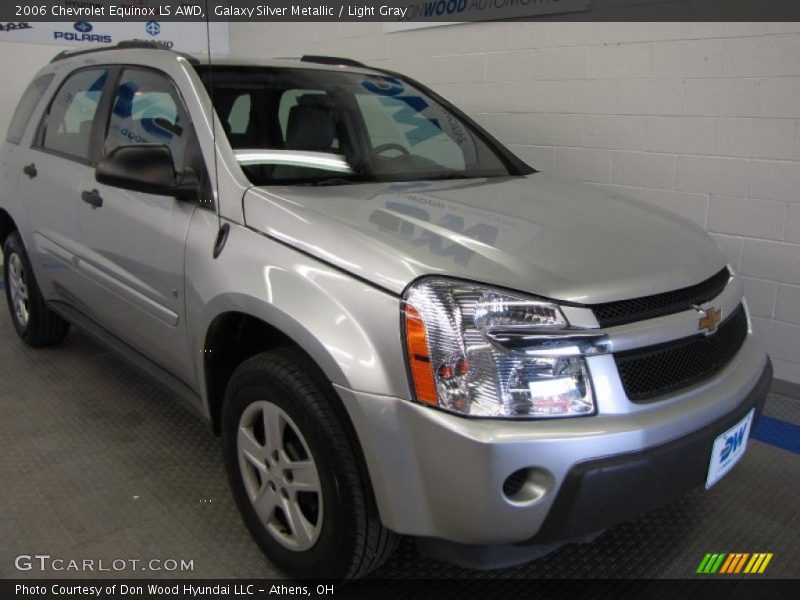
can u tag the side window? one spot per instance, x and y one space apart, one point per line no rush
27 104
68 127
148 110
239 117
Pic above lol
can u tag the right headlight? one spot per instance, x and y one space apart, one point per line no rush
479 351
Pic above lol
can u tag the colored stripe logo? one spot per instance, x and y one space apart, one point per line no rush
734 562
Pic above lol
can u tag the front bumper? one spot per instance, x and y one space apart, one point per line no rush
438 475
599 493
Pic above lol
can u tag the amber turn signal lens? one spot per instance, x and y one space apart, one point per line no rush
419 357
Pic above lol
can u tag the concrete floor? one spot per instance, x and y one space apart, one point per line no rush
98 462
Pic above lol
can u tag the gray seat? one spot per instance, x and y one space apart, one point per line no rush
311 128
311 125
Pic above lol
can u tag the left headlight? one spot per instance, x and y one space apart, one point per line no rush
452 330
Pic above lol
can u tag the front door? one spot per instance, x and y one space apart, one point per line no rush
135 242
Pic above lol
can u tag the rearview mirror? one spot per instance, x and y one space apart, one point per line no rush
147 168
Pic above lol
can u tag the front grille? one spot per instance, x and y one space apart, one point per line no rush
657 370
666 303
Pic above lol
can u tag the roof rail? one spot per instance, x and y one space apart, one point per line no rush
141 44
123 45
332 60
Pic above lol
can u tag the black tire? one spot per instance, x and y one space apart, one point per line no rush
43 326
351 539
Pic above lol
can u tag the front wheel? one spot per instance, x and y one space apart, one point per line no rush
36 324
296 472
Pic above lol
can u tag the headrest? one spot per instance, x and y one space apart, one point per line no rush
310 128
317 100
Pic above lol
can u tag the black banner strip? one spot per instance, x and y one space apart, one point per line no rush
18 12
708 587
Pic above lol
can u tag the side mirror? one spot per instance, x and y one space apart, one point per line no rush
147 168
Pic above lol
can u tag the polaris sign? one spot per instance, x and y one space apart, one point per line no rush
82 33
431 13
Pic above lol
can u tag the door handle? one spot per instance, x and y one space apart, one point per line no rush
92 198
30 170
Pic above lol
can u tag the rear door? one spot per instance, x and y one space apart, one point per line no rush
61 159
134 242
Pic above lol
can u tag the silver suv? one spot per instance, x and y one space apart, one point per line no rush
396 325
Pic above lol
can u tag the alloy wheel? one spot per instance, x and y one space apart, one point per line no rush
18 288
280 475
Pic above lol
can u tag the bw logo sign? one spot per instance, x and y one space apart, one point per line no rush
153 28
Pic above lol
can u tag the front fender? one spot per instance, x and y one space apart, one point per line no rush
348 327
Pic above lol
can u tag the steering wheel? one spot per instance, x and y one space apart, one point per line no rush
377 150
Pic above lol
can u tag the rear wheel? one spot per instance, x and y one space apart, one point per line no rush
296 471
36 324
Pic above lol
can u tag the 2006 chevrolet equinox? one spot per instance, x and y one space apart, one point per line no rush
397 326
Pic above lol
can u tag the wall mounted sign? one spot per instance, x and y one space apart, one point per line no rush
435 13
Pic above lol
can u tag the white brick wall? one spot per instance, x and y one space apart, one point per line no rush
700 118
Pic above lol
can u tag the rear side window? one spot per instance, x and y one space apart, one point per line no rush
68 129
239 118
27 104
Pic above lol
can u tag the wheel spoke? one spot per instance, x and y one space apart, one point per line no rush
14 265
265 503
13 275
250 448
273 428
304 476
302 530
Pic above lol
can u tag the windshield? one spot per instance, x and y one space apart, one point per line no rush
320 127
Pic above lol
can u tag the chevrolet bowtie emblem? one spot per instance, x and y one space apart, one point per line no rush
709 319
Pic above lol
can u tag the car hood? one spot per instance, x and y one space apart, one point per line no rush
539 234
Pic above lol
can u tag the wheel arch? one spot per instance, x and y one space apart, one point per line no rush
349 329
233 336
7 226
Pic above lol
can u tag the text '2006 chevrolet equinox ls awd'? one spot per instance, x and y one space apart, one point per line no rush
396 325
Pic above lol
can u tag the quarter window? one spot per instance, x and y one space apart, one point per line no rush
148 110
68 129
25 108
